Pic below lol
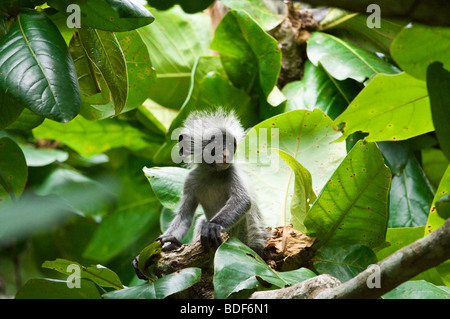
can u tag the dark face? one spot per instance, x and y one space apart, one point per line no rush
217 149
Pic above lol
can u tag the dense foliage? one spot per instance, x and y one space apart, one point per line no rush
360 159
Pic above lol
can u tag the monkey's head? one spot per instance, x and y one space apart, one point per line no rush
211 137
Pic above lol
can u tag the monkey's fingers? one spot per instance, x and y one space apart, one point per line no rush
168 242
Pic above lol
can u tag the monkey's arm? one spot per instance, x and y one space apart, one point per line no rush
237 205
172 237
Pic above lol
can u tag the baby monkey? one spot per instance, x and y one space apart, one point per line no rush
210 139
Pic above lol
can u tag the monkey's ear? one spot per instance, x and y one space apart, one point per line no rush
185 144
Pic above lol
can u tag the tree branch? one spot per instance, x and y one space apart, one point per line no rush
404 264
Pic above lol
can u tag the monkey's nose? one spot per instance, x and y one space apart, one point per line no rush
226 155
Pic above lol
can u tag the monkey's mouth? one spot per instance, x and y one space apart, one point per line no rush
221 166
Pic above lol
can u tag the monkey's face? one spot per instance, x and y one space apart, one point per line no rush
216 148
219 150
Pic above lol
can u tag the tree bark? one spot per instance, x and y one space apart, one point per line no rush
404 264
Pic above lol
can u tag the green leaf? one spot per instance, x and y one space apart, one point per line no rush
70 185
38 157
42 77
27 120
320 90
137 214
304 135
438 84
434 220
389 108
108 15
443 207
345 60
399 238
417 46
258 10
343 261
141 77
57 289
31 214
434 164
249 55
303 193
10 110
152 249
13 171
105 52
98 274
161 288
410 196
353 28
237 268
167 184
174 53
352 207
90 138
418 290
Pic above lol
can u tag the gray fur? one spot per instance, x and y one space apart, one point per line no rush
224 194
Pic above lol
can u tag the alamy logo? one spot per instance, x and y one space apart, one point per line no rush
74 19
374 20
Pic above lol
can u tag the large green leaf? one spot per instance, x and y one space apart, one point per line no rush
98 274
70 185
57 289
343 261
417 46
418 290
345 60
174 53
167 184
304 135
303 194
389 108
435 221
238 268
137 213
141 77
352 207
410 196
105 53
353 28
36 68
249 55
258 10
108 15
318 89
38 157
10 110
27 120
13 170
434 164
438 84
90 138
161 288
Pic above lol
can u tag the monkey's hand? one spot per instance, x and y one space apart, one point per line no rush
168 242
211 236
